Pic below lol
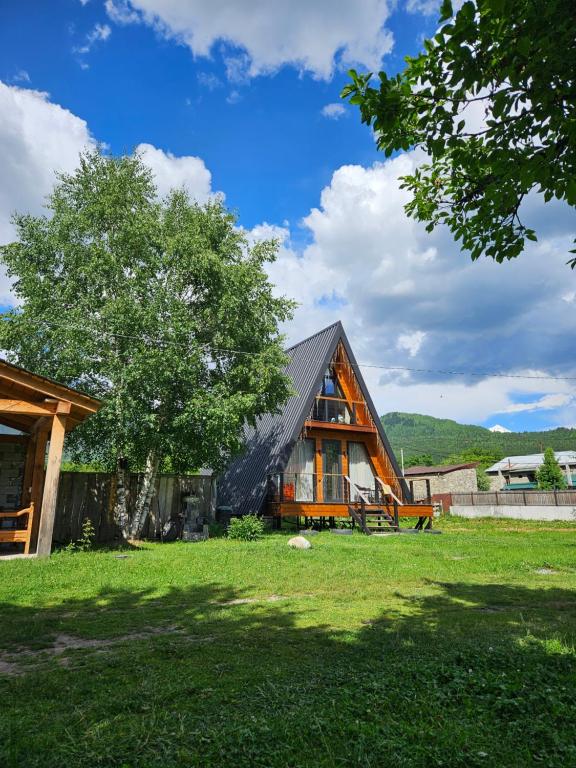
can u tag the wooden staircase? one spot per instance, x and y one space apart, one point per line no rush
373 521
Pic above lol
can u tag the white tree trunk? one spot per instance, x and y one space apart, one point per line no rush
145 493
120 505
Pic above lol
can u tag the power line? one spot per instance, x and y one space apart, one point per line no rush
379 366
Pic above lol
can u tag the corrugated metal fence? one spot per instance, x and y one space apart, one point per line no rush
517 498
92 494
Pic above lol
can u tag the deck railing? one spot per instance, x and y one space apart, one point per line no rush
334 489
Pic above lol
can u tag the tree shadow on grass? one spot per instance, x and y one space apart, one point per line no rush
469 675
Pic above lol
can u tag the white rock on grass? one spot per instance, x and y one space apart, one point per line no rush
299 542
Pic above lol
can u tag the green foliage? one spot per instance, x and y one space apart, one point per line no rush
87 538
144 303
419 460
246 528
491 101
483 479
450 442
78 466
550 476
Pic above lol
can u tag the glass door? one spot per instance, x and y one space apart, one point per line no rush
332 471
360 471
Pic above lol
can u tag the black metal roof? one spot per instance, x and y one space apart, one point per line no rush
269 445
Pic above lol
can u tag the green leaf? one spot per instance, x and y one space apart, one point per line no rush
446 10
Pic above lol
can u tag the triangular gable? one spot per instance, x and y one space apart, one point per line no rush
269 445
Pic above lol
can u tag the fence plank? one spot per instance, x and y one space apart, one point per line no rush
517 498
90 494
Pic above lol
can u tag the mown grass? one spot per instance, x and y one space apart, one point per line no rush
449 650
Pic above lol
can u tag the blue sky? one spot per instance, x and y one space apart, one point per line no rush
243 99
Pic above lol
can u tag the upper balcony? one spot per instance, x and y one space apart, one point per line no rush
331 412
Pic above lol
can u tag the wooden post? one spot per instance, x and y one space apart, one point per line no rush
39 440
396 520
48 510
428 491
319 471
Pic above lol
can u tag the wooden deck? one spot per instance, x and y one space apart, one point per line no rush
321 509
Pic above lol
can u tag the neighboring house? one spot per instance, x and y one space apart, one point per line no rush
519 472
325 451
425 482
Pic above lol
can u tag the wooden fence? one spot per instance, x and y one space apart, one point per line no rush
516 498
92 495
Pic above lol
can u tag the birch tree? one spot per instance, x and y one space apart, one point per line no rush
158 307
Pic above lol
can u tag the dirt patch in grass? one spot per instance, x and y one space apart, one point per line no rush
10 666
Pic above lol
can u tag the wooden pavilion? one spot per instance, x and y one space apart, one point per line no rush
42 411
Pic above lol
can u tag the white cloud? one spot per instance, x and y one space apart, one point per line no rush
99 33
334 111
412 299
209 80
39 138
172 172
545 403
425 7
411 342
21 77
315 36
120 12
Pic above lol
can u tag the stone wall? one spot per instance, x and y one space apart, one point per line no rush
12 460
459 481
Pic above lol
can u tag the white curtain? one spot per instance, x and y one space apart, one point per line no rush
300 470
359 467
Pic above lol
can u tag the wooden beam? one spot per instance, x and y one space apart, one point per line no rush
31 381
48 511
27 407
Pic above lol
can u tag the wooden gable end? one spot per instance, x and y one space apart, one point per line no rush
363 426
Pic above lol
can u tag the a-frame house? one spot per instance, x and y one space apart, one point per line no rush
325 455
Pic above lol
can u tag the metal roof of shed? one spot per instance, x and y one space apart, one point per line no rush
531 462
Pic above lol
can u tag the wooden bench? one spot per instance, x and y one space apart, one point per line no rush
19 534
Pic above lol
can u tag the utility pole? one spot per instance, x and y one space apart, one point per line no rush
402 460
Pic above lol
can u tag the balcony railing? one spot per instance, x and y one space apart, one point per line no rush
333 410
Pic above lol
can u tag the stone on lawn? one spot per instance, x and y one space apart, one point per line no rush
299 542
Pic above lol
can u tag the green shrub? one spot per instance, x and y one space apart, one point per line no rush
87 538
247 528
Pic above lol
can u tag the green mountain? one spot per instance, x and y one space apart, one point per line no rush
443 438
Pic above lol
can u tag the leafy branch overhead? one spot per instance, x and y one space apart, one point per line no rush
492 102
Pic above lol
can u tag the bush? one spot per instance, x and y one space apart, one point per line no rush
87 538
247 528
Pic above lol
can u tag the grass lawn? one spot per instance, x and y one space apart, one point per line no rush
451 650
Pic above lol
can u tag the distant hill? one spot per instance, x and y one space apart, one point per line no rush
442 438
